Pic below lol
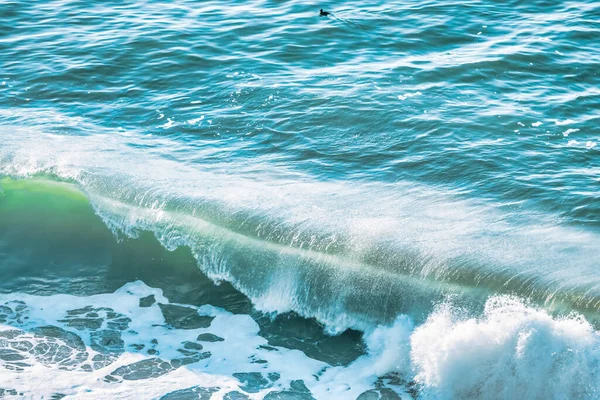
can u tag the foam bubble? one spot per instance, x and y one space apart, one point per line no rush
408 95
565 122
569 131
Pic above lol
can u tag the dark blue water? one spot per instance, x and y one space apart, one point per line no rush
395 166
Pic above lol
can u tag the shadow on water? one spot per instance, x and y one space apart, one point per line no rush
51 242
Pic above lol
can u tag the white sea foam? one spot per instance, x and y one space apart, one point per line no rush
587 145
408 95
565 122
109 360
511 351
569 131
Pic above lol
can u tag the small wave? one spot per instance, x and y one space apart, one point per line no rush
352 255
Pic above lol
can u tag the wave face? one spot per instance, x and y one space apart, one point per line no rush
322 249
350 186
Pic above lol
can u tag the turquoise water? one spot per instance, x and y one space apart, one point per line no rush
385 196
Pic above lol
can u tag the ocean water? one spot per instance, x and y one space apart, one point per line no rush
246 200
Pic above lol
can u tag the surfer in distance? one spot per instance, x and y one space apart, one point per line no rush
324 13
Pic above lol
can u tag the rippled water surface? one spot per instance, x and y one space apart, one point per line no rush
498 100
347 190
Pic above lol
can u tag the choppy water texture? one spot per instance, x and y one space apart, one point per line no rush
246 200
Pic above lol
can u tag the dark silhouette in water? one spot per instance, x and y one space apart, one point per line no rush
323 13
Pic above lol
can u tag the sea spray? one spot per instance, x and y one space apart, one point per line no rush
512 351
